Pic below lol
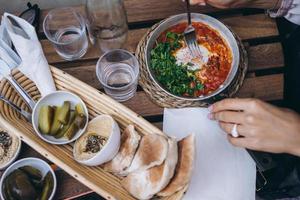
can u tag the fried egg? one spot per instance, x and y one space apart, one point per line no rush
184 57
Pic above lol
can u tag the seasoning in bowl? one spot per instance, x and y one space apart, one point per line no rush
94 143
9 145
100 143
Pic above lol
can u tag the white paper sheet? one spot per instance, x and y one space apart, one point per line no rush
221 171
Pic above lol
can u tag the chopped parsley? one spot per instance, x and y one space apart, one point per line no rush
175 78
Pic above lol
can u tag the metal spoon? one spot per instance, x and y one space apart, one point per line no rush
24 113
6 72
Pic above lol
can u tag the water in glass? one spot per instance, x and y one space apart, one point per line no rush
107 23
118 71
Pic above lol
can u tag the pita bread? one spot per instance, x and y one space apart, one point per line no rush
145 184
184 168
152 151
129 143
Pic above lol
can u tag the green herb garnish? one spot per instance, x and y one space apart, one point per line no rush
175 78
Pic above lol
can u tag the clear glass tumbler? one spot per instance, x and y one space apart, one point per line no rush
107 23
118 72
66 30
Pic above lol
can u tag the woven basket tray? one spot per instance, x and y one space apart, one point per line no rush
103 183
161 98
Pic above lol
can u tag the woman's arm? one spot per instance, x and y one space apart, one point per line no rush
262 127
290 9
264 4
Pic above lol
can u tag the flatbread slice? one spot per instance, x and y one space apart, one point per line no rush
184 168
129 143
152 151
145 184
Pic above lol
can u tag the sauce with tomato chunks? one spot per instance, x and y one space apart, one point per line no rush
214 71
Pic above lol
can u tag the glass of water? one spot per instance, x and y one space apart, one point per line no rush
66 30
107 23
118 72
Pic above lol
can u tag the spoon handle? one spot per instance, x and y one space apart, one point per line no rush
188 11
29 101
15 107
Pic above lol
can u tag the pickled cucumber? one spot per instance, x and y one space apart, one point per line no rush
64 112
65 127
79 109
48 185
56 124
80 120
45 119
72 130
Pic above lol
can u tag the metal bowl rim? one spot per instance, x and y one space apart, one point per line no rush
201 18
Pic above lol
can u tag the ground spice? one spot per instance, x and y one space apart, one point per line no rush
8 147
95 143
5 143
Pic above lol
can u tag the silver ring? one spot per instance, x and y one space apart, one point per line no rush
234 131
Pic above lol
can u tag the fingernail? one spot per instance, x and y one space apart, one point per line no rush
210 108
210 116
202 4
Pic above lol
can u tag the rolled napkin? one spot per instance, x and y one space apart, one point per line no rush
221 171
33 62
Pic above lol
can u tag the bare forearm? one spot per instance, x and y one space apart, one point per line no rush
294 146
265 4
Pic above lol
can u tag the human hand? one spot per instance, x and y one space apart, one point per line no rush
264 4
262 127
222 3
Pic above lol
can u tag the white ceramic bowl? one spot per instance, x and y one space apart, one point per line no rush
57 99
109 150
15 155
33 162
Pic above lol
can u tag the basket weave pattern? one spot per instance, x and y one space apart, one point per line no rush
163 99
104 183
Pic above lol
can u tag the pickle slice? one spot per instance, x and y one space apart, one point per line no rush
79 109
72 130
45 119
80 120
48 184
65 127
56 124
64 112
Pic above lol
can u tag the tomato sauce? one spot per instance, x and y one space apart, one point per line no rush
216 70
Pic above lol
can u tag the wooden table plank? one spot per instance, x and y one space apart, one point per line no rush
267 88
260 57
265 56
246 27
145 10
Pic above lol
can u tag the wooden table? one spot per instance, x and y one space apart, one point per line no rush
259 33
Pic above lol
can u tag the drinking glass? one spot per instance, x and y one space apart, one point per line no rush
66 30
118 72
107 23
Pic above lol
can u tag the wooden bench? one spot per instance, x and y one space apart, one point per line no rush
259 33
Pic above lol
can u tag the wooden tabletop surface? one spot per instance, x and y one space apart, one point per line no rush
258 32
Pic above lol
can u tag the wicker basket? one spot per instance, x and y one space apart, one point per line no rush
163 99
105 184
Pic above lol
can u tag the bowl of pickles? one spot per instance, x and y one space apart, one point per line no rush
60 117
28 179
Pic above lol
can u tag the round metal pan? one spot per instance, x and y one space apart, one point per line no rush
213 23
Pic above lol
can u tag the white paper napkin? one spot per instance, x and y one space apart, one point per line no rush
33 62
221 171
